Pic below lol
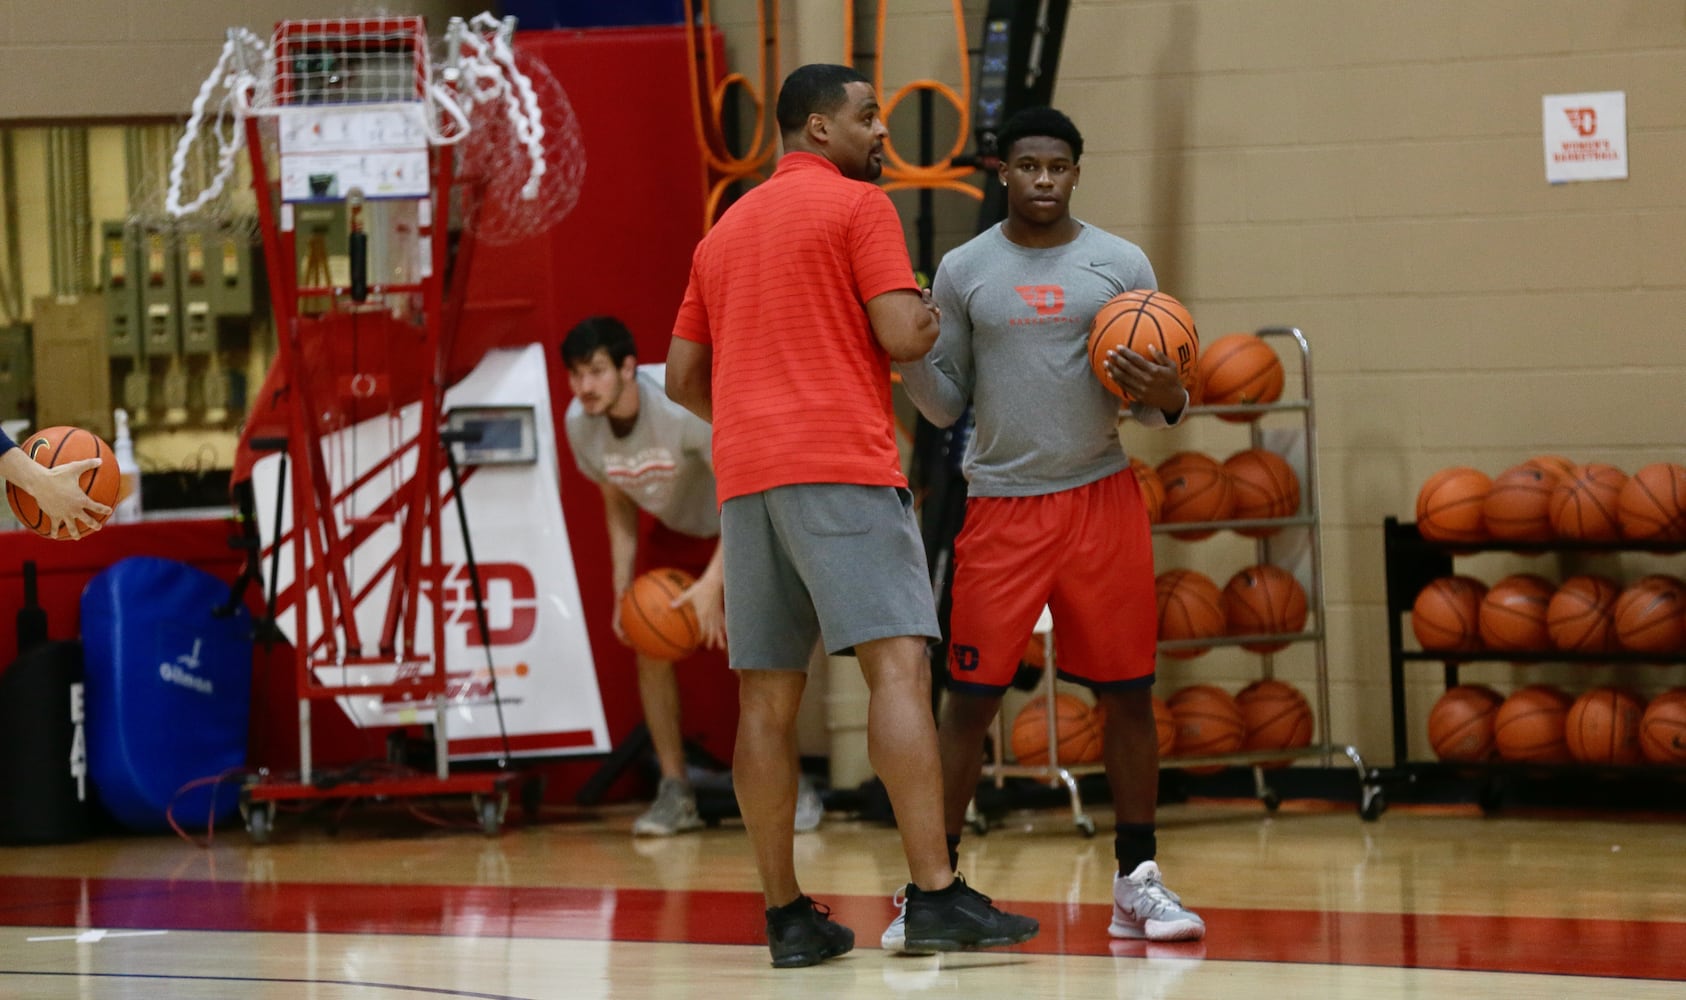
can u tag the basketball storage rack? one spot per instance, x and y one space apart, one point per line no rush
351 132
1057 773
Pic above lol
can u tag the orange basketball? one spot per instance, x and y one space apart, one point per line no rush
1662 729
1650 615
1581 617
1196 489
1141 320
1447 614
1277 716
1518 506
1153 491
1552 463
1449 505
1603 727
1079 731
1530 725
54 446
1583 504
1264 600
1240 368
1513 614
1460 726
1652 504
1265 486
1208 722
652 625
1190 607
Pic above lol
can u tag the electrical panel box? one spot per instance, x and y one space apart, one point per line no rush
118 256
160 318
17 382
230 263
198 319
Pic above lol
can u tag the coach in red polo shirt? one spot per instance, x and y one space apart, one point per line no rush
798 300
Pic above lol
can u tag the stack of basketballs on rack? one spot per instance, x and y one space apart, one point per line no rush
1549 500
1262 600
1198 720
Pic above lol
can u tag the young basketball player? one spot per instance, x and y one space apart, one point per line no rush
647 453
798 299
1054 516
57 491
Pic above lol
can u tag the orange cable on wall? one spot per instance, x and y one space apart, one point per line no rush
710 135
942 175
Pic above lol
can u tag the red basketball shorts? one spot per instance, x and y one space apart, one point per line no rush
660 547
1087 555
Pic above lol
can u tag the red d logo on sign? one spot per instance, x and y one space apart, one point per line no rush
1584 120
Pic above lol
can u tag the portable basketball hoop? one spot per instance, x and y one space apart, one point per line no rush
356 139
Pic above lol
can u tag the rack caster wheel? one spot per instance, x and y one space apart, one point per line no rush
490 811
260 822
1086 825
976 821
1272 800
1373 804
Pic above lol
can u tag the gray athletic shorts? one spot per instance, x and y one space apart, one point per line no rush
832 561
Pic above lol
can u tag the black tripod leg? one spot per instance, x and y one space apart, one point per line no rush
628 750
479 600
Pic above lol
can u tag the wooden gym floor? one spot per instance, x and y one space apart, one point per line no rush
1311 902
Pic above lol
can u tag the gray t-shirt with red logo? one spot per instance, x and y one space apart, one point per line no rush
1014 343
665 464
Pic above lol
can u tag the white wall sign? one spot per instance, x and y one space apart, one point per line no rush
1585 136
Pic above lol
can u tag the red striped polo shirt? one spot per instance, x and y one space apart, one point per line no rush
779 289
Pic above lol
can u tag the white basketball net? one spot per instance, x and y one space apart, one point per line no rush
477 84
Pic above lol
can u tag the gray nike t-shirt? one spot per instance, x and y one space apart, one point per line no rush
1014 342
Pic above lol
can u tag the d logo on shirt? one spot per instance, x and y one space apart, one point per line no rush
1047 300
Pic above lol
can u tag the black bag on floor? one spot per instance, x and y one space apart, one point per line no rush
43 763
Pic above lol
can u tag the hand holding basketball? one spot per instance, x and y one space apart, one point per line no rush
707 600
1152 381
61 482
1155 327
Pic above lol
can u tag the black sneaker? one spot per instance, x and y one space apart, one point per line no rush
805 935
960 918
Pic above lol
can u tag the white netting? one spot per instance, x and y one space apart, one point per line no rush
509 200
524 157
364 60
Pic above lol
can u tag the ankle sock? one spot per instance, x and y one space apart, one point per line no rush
954 852
794 908
1132 844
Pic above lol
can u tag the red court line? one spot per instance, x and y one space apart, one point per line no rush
1631 949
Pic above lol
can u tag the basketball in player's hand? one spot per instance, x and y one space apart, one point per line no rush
652 624
56 446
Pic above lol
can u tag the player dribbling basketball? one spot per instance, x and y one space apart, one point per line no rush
1054 515
647 453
